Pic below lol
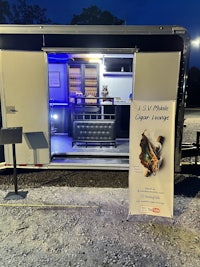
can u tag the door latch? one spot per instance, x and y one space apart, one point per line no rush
11 110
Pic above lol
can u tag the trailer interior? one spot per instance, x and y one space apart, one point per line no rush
89 106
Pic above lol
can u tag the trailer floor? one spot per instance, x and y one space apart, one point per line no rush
62 144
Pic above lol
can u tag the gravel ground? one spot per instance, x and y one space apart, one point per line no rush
79 218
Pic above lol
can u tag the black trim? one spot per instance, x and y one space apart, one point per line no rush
145 43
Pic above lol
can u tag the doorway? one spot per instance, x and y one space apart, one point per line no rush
77 101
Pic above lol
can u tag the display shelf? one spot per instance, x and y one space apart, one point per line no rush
91 83
83 80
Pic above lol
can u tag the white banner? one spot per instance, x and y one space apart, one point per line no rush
151 171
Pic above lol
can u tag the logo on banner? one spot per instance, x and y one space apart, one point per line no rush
147 209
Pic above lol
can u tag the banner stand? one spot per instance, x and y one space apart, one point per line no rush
13 136
151 159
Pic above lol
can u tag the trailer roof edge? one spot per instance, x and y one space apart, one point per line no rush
92 29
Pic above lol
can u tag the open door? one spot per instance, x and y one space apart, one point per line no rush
156 75
24 104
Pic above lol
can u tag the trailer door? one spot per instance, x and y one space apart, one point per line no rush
156 75
24 103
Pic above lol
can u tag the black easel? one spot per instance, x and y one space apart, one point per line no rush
13 136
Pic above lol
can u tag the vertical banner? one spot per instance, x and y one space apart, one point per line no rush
151 171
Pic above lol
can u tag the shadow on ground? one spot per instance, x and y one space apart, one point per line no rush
75 178
189 186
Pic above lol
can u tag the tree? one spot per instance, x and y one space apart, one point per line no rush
4 12
95 16
22 13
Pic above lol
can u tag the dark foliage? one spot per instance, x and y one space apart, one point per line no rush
95 16
22 13
4 12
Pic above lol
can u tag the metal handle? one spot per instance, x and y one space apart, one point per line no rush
11 110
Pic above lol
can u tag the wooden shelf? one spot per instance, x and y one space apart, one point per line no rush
83 79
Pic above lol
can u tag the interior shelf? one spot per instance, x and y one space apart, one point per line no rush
83 80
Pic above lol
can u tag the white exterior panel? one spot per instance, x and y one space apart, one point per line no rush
156 75
24 101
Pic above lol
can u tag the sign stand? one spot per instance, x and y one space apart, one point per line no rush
35 141
13 136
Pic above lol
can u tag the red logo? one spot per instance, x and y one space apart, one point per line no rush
156 210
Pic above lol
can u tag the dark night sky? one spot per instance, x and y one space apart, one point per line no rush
134 12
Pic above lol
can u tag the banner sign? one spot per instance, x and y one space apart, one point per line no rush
151 171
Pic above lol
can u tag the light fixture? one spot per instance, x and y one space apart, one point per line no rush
196 42
95 60
54 116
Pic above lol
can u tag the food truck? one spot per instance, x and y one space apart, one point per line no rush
70 88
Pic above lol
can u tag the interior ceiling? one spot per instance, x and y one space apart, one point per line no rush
66 57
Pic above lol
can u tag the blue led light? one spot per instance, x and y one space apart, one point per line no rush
58 57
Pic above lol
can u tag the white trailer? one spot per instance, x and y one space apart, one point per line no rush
51 83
